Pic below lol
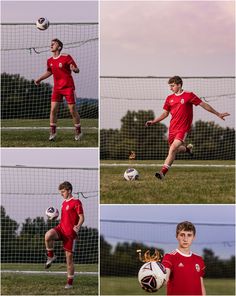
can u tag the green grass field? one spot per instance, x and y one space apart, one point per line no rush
41 284
182 185
130 286
39 138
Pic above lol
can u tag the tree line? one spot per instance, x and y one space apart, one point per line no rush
21 98
210 140
25 244
122 260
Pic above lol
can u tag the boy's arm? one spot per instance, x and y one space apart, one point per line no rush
168 271
158 119
203 287
74 69
44 76
81 221
212 110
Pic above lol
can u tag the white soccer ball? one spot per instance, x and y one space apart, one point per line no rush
52 213
42 23
152 276
131 174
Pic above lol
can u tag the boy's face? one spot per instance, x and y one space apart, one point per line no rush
175 87
185 239
54 46
65 193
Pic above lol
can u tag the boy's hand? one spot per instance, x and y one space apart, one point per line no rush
149 123
76 229
37 82
74 69
223 115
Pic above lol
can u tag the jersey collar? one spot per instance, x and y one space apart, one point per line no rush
56 57
179 94
72 197
185 255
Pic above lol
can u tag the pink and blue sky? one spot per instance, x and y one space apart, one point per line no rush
190 38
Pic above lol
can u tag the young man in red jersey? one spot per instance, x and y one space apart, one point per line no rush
72 217
185 270
60 66
180 106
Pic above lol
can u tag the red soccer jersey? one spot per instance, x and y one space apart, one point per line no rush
70 210
60 68
181 109
186 271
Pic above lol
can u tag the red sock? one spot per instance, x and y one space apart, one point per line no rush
165 169
50 253
78 128
53 128
70 281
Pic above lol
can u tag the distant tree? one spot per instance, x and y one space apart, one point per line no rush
9 229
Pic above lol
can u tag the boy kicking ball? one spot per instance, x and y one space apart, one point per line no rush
60 65
180 106
185 270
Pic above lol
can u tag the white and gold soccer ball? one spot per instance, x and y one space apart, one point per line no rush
131 174
52 213
42 23
152 276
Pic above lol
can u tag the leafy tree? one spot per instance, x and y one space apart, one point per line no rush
9 229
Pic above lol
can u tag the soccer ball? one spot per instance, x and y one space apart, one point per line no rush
42 23
52 213
131 174
152 276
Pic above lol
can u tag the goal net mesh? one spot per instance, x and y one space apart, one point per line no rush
26 194
128 102
25 51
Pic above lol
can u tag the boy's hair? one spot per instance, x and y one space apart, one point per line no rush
186 226
59 43
176 80
65 185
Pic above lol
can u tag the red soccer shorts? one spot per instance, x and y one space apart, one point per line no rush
179 135
68 93
68 241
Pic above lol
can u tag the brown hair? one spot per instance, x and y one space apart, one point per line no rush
186 226
65 185
59 43
176 80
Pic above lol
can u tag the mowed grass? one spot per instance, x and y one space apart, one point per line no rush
18 284
182 185
130 286
39 138
54 267
41 284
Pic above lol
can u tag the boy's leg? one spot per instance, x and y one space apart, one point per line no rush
50 236
70 269
53 120
175 147
76 120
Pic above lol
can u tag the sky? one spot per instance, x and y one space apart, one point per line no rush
28 192
66 11
164 38
218 238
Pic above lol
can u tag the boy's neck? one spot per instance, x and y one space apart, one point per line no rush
56 54
185 251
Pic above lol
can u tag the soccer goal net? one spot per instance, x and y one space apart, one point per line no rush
120 239
25 51
26 194
128 102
